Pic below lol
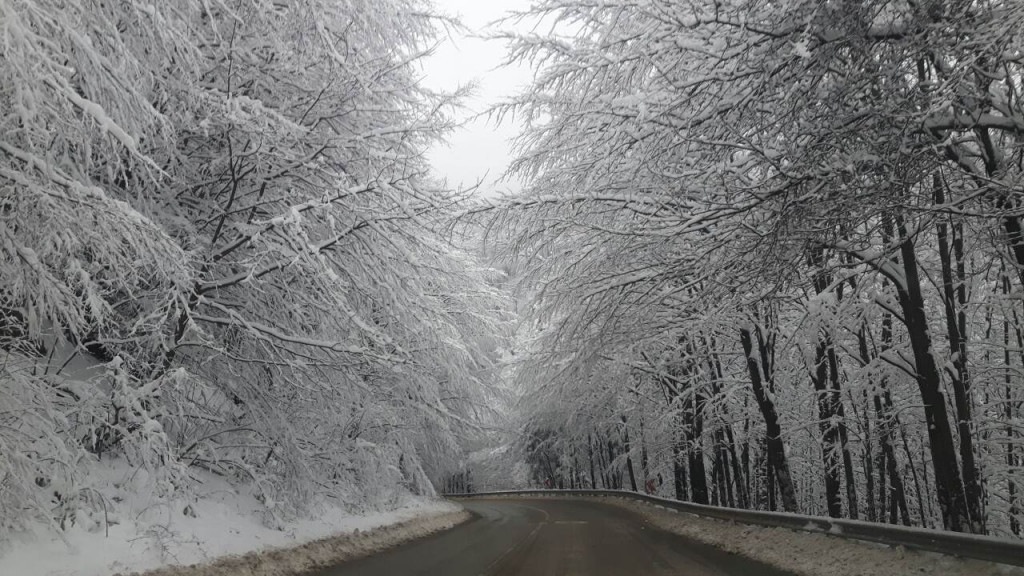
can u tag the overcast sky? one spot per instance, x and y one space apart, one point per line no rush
481 149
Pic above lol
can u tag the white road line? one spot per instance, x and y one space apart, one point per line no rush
498 560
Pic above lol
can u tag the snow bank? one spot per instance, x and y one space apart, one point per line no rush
327 551
136 534
808 554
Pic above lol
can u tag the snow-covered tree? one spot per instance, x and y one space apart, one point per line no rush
225 208
814 199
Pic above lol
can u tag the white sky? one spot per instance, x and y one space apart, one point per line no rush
480 150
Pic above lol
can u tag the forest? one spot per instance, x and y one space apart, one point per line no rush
771 255
767 255
223 256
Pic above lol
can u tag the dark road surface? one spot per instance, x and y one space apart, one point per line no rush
550 537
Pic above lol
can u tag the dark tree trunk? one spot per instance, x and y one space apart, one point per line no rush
954 297
745 456
742 497
829 433
831 413
844 445
629 457
892 511
643 456
698 476
679 470
695 452
868 458
897 493
722 460
868 455
775 448
913 469
948 487
729 438
883 484
1008 412
769 476
715 482
590 458
616 478
888 420
599 455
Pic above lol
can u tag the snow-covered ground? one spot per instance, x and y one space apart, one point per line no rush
137 535
809 554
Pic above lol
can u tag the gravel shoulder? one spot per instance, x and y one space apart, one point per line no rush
812 554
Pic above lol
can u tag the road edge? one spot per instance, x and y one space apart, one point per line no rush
796 552
993 550
318 554
815 553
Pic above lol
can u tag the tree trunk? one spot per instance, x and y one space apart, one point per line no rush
628 452
1008 412
715 482
775 447
729 438
643 456
616 478
742 497
723 459
959 376
679 469
745 456
698 474
867 460
883 470
948 487
897 493
844 446
590 457
829 434
831 413
769 476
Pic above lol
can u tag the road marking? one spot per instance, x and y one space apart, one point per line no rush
542 511
498 560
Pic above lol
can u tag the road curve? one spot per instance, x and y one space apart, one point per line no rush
552 537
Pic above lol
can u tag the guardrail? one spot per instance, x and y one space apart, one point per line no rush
992 549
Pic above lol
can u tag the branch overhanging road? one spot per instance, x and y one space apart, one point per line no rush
552 537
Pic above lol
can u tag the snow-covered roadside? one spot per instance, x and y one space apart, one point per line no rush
297 560
810 554
214 529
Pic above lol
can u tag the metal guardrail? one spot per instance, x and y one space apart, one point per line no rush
992 549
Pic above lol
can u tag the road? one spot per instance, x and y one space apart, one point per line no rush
551 537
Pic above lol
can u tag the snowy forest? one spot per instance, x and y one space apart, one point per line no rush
223 255
767 255
770 255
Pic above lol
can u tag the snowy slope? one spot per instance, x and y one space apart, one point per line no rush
149 533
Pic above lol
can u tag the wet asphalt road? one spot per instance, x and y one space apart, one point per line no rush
551 537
